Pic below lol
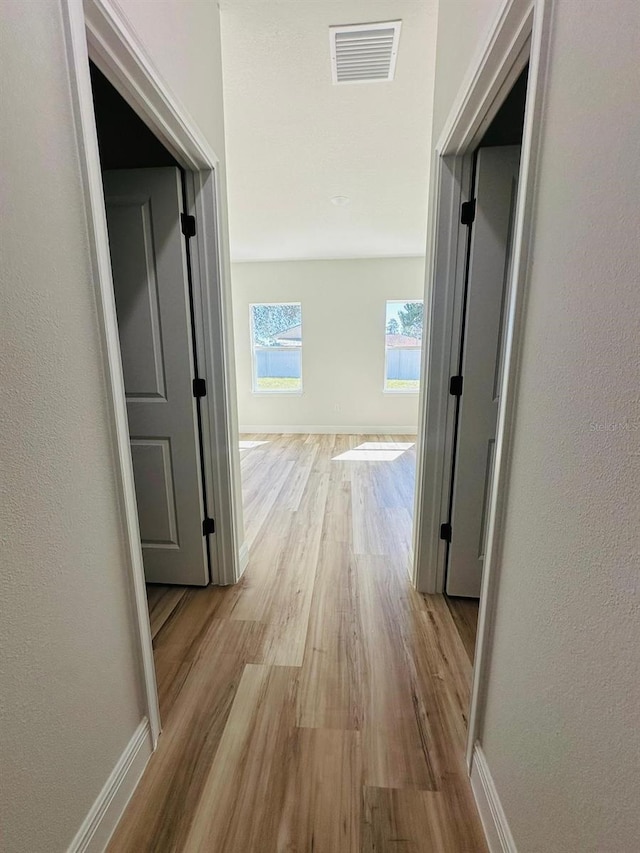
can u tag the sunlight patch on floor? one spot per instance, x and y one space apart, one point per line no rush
375 451
249 445
385 445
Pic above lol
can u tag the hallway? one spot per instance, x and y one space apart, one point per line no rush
320 705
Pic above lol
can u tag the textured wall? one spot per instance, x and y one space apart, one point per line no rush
69 693
69 699
462 28
343 320
562 734
183 40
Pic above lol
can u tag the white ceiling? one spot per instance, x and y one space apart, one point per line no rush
294 140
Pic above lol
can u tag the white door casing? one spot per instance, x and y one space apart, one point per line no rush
496 187
148 258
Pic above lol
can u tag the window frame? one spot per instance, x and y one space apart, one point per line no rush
386 390
254 362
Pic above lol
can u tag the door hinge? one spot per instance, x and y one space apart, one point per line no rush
208 526
468 212
445 532
455 386
199 388
188 224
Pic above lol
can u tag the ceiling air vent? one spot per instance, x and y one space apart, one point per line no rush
364 53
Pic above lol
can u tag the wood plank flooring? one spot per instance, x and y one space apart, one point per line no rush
465 615
319 706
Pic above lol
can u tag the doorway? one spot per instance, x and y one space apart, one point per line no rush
489 218
96 35
150 240
513 59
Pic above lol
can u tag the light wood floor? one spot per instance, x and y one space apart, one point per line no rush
465 614
319 706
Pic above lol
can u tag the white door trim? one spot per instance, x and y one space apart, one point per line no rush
519 34
436 409
99 30
214 341
117 51
497 67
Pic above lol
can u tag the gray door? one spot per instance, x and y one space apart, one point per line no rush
489 262
148 258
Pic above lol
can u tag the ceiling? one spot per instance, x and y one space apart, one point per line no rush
294 140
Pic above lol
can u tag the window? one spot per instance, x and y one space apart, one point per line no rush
276 343
403 346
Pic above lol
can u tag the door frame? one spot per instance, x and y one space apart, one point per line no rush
498 158
520 34
98 31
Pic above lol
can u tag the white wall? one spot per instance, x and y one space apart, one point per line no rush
182 37
561 732
343 320
462 27
69 695
69 685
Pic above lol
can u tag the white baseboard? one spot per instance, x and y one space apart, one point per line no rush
410 564
99 825
243 558
494 821
287 429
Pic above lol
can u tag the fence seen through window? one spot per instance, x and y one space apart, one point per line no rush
276 341
403 346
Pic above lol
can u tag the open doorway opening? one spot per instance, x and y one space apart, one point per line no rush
150 236
489 218
514 61
99 34
328 238
154 264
